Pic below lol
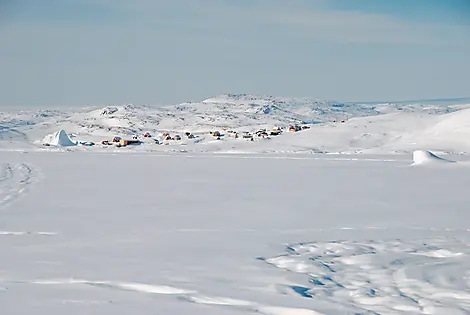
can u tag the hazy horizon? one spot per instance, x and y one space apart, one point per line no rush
446 101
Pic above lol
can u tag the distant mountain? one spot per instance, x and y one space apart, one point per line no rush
242 112
431 101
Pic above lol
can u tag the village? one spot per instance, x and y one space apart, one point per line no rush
165 138
62 138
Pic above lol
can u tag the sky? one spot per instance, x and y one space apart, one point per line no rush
57 53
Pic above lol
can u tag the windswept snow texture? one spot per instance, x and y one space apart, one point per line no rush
373 128
140 233
425 276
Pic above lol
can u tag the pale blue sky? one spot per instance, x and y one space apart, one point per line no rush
97 52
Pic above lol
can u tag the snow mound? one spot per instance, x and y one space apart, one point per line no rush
421 157
377 276
59 138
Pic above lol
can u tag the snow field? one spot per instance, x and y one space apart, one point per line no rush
224 234
327 220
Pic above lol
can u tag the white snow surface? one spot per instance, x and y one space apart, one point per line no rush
175 233
374 128
365 216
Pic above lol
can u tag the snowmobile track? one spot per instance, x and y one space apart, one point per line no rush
14 181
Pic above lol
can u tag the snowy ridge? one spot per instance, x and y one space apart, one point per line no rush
367 128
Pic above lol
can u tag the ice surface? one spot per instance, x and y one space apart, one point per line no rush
140 233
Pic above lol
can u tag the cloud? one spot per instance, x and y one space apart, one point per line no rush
316 22
309 20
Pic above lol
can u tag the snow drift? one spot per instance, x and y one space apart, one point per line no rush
59 138
421 157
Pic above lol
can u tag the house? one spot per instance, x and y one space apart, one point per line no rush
276 131
295 128
261 133
247 135
125 142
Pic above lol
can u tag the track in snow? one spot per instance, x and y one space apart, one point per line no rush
14 180
430 276
181 294
26 233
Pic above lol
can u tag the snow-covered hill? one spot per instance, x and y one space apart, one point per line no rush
367 128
